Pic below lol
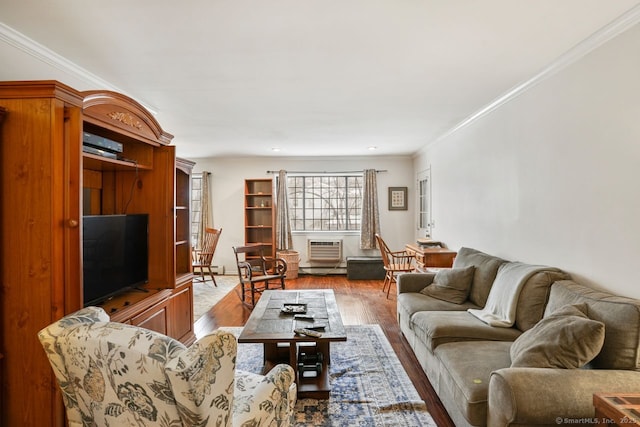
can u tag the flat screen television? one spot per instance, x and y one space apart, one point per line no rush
115 255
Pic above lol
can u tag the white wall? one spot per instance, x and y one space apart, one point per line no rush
227 188
552 176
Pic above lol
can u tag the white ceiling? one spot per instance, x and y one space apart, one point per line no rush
312 77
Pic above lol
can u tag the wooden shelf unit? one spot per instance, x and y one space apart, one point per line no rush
259 214
48 184
3 112
183 171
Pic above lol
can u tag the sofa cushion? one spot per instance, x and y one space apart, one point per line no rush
411 303
451 285
567 338
414 302
486 268
414 282
434 328
534 296
621 318
467 367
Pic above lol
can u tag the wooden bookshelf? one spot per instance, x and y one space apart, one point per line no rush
259 214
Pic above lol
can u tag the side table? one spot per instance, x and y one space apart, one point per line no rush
430 257
618 409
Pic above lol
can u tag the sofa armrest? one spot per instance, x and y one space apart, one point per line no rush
414 282
530 396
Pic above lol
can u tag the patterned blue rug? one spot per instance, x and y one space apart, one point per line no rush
369 386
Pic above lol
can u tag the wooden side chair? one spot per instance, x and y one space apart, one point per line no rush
395 262
256 271
203 258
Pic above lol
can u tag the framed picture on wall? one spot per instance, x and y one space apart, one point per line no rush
397 198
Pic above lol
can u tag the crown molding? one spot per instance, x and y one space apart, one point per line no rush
603 35
43 54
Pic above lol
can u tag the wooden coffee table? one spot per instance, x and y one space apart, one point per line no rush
309 357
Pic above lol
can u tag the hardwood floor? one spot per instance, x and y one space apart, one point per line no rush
360 302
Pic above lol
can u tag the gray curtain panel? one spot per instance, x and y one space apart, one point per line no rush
283 226
370 224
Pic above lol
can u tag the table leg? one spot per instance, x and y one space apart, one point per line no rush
317 387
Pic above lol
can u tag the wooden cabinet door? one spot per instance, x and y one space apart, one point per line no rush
40 237
181 311
156 318
72 209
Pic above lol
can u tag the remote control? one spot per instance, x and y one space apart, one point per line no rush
317 327
303 317
307 332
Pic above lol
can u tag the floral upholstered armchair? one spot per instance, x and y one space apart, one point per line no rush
113 374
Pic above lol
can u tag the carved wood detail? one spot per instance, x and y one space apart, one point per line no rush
125 118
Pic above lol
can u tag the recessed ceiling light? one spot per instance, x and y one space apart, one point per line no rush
275 149
373 147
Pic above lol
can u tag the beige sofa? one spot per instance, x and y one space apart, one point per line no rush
469 362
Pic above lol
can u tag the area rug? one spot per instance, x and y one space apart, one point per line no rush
206 295
369 386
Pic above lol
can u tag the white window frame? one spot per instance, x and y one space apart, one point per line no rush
423 205
292 206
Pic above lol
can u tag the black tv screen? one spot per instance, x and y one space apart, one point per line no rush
115 255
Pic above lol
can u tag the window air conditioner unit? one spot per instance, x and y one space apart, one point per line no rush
324 250
217 269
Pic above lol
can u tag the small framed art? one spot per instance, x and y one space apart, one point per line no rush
397 198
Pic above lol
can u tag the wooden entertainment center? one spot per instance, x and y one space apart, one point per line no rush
48 183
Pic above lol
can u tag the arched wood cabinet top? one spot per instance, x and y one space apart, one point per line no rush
124 115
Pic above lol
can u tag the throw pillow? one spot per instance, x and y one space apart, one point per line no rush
565 339
451 285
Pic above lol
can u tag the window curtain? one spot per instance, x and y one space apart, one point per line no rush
284 240
370 223
205 207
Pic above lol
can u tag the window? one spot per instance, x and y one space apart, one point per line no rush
325 202
196 206
424 202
